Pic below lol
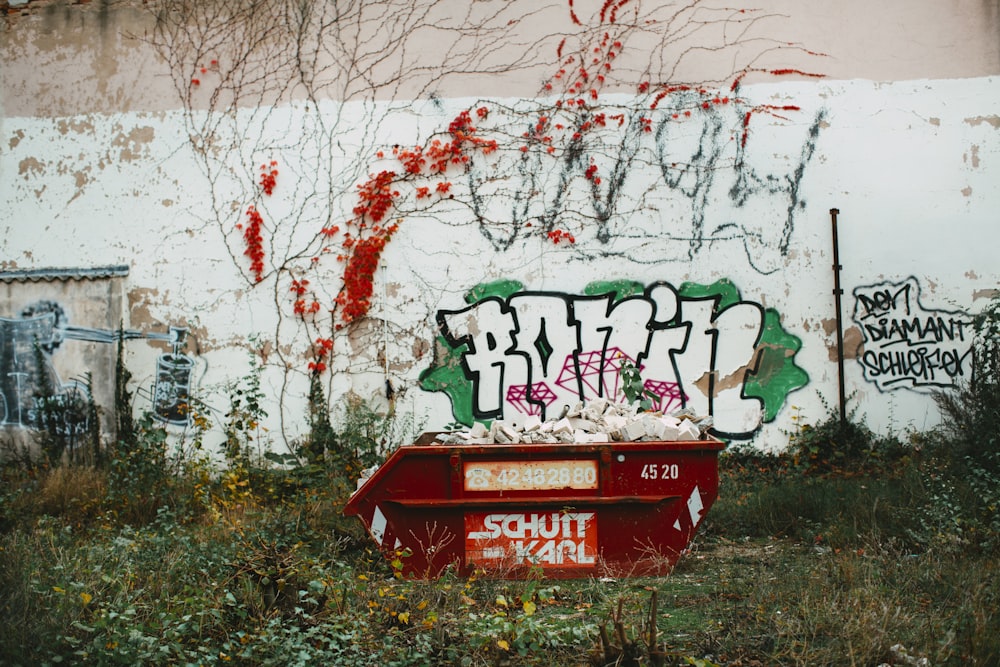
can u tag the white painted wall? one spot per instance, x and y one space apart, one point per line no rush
910 164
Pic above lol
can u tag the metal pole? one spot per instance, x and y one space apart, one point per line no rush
837 291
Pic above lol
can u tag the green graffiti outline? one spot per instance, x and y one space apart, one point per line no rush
445 373
775 377
722 288
776 374
622 289
502 289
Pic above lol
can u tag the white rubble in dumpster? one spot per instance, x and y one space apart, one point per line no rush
599 420
365 474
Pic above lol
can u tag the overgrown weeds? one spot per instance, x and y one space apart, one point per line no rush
968 484
850 548
792 568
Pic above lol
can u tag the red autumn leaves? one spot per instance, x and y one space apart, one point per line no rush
254 241
253 237
367 235
421 173
322 349
302 306
359 273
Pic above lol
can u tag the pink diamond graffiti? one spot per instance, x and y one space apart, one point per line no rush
594 372
596 368
517 395
669 393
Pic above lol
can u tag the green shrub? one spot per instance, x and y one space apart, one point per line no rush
971 411
245 442
836 446
965 484
138 476
357 437
146 477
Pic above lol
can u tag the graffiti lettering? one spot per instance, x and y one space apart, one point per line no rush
882 301
64 414
535 353
919 363
907 345
934 329
663 158
566 539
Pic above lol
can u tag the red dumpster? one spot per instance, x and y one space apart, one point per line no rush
577 510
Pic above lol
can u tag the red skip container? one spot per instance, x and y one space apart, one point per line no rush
603 509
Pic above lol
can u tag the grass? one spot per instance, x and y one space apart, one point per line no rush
806 570
779 602
849 550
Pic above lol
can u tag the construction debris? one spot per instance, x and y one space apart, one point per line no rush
599 420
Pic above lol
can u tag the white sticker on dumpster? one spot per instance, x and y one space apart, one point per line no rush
530 475
545 539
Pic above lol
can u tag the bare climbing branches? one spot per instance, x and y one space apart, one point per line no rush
607 129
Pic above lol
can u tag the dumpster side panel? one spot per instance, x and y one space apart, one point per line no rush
614 509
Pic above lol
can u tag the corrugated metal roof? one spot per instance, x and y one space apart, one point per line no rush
84 273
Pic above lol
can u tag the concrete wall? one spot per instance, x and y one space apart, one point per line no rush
58 334
678 217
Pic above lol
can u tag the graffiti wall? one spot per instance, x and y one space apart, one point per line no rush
514 352
59 335
428 217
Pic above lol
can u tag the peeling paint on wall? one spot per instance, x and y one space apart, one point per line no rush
30 167
133 145
992 121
